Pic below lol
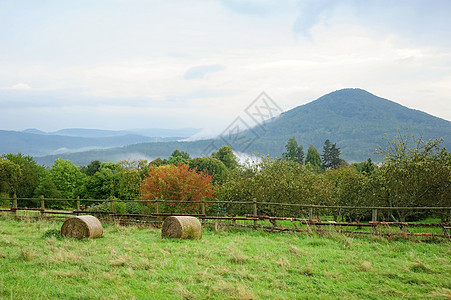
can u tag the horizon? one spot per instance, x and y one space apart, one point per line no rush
203 133
115 64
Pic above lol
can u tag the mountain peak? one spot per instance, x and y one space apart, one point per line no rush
350 90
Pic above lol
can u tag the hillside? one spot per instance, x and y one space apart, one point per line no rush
353 118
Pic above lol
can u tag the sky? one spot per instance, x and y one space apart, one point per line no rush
123 64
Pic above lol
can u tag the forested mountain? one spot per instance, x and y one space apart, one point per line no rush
354 119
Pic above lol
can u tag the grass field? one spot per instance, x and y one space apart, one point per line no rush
134 262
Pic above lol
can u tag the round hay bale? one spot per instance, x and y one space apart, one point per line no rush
181 227
82 227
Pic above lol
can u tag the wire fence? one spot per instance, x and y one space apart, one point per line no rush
384 221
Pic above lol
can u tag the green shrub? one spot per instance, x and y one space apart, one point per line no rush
136 208
119 207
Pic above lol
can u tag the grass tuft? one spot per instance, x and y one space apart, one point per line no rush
419 267
52 233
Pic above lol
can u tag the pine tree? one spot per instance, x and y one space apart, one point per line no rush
331 155
294 152
335 156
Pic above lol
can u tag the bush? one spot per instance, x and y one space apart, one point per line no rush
119 207
136 208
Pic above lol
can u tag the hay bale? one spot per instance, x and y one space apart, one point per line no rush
181 227
82 227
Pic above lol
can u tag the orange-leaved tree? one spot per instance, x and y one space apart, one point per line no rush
185 187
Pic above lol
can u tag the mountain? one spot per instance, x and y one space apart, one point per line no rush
34 130
354 119
147 151
90 133
41 144
164 132
96 133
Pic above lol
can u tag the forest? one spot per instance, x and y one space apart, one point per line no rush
413 173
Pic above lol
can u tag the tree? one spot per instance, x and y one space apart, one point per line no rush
142 166
177 183
129 182
158 162
182 154
293 151
67 178
349 188
313 159
212 166
331 155
101 185
48 188
366 167
10 173
92 168
29 176
175 160
226 155
108 165
273 181
413 173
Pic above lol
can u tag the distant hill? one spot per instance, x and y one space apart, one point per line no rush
353 118
41 144
95 133
147 151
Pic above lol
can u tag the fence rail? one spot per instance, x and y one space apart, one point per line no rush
255 214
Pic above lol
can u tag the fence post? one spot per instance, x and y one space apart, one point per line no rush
78 203
310 213
15 203
203 206
112 204
255 211
42 205
374 220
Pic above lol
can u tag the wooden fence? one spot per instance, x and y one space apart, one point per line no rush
255 214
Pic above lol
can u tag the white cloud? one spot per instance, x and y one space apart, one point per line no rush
20 86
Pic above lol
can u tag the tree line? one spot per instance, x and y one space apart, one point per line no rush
413 173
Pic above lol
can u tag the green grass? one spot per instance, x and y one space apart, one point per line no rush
134 262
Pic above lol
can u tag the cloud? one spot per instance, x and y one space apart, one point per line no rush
199 72
104 67
20 86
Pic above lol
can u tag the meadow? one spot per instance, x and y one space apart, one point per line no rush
132 262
